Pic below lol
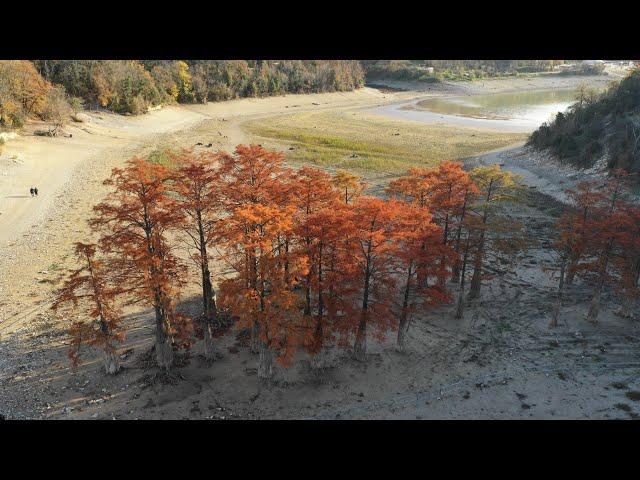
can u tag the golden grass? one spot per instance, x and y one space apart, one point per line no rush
367 142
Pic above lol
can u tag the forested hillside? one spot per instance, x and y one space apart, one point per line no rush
440 70
596 125
49 89
24 93
133 86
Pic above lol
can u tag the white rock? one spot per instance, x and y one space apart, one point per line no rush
81 117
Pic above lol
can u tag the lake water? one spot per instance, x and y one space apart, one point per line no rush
515 112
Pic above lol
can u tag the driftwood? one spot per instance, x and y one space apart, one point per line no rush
52 132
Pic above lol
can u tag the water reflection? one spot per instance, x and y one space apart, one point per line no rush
517 111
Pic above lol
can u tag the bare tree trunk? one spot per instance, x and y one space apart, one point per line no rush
571 271
360 346
455 274
594 307
111 363
164 351
318 360
460 307
403 324
210 315
255 338
476 279
265 362
209 352
556 310
403 327
628 307
442 267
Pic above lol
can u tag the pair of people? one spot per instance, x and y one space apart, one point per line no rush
33 191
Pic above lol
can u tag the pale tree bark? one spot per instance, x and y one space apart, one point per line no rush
265 363
255 338
111 363
476 280
556 309
403 324
460 307
164 351
360 345
594 307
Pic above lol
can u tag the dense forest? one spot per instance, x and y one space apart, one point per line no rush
440 70
133 86
596 125
49 89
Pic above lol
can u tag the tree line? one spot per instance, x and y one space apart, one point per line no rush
440 70
132 86
24 94
311 262
53 89
599 240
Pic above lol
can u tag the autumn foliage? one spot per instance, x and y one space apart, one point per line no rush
92 290
599 241
310 262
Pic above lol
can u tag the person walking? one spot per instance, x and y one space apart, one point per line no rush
35 190
31 191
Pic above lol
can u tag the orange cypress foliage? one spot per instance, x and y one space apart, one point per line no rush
498 186
313 192
573 224
349 185
255 176
418 246
450 190
413 187
606 232
134 220
599 240
329 229
373 251
259 296
88 288
196 183
447 191
571 245
628 262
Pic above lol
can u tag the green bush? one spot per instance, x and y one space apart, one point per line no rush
610 121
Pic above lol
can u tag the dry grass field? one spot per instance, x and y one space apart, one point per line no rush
369 143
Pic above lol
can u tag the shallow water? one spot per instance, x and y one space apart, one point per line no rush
512 112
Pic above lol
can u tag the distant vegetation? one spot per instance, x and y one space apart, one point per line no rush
439 70
24 93
583 69
132 86
52 89
597 124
